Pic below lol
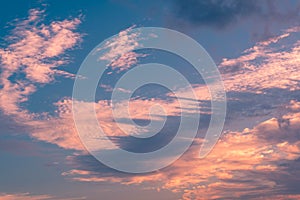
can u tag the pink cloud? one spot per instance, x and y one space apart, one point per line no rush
243 162
240 160
240 165
264 67
24 196
272 72
120 53
28 196
36 50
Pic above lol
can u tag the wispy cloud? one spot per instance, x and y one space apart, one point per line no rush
119 52
24 196
264 66
28 196
35 50
245 164
260 161
260 68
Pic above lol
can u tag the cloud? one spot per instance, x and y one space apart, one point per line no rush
264 66
215 13
28 196
23 196
221 14
256 162
261 68
253 163
59 130
34 52
119 52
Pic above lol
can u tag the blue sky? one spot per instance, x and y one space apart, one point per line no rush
255 45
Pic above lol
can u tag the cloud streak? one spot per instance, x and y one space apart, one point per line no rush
24 196
28 196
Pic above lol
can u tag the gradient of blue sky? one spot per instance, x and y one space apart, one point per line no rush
255 45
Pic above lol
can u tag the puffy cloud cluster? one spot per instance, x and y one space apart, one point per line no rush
35 50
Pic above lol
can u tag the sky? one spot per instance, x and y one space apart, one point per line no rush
255 46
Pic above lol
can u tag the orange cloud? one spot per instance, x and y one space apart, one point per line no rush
241 164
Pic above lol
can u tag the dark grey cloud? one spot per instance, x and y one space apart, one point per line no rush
216 13
222 13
